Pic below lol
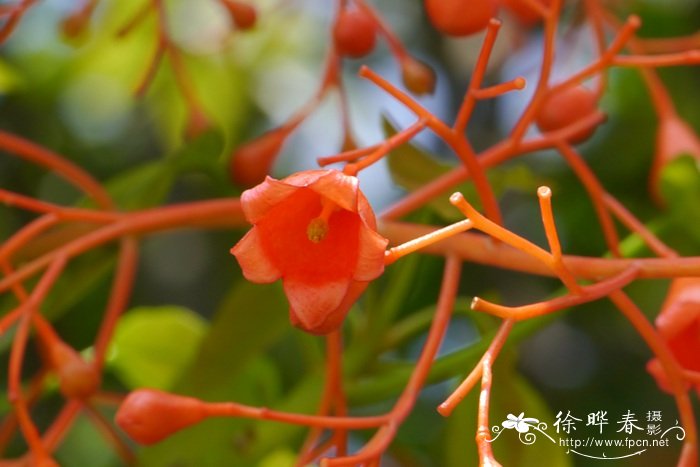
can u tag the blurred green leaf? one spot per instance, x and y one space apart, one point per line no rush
251 317
152 345
142 187
86 445
279 458
680 187
9 79
203 155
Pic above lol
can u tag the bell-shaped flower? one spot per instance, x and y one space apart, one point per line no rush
316 231
679 325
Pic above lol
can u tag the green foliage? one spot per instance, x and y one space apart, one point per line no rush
151 346
680 187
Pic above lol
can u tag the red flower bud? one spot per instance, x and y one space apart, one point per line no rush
75 25
77 378
316 231
244 16
522 12
149 416
418 77
354 33
679 325
564 107
252 161
460 17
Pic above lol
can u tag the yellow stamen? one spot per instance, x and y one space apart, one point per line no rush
318 227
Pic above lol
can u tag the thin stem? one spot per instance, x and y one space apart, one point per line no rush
63 213
491 157
544 194
596 192
19 343
690 57
72 173
216 212
384 148
465 110
454 139
383 437
58 429
334 369
232 409
634 225
110 434
483 433
477 248
347 156
422 241
447 407
119 297
673 371
496 90
550 30
585 295
395 45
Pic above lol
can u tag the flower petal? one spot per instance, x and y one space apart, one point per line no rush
365 211
312 304
340 188
255 264
370 255
681 307
257 201
306 177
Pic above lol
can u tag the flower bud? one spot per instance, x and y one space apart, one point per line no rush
149 416
252 162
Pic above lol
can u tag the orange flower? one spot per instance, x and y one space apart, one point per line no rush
316 231
679 325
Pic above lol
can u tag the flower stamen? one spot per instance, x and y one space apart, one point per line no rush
318 227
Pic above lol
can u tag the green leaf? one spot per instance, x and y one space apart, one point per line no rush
680 187
279 458
142 187
250 319
203 155
9 79
152 345
86 445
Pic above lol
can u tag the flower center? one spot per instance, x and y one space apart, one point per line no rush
318 227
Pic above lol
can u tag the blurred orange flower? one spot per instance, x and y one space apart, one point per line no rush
679 325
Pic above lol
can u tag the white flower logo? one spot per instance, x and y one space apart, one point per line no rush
521 424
